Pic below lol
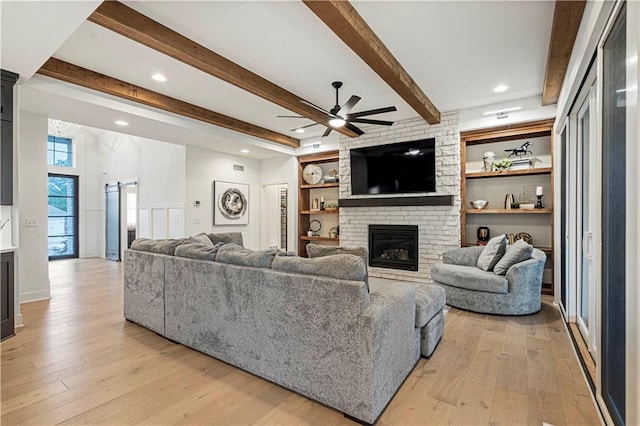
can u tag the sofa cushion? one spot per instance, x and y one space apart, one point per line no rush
317 250
226 237
492 252
340 266
199 251
202 239
469 277
430 299
516 252
143 244
235 254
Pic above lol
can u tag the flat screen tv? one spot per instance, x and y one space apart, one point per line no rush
405 167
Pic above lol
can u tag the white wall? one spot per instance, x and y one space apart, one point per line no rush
32 255
532 110
203 167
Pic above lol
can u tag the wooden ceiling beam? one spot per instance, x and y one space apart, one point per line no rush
90 79
126 21
566 21
342 18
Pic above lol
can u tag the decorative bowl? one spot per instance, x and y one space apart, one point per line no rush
479 204
527 206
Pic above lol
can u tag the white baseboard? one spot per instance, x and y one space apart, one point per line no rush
17 321
35 296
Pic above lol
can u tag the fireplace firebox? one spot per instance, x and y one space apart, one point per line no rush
393 246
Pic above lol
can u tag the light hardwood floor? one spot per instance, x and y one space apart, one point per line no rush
77 361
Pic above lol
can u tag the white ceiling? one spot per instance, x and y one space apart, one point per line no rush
456 51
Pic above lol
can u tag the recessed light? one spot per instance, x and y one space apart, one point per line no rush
244 151
502 110
500 88
159 77
337 122
299 130
121 123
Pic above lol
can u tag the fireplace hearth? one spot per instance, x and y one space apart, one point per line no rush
393 246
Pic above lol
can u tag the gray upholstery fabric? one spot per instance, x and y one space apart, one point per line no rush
143 244
202 239
465 256
429 320
237 255
492 253
168 247
226 237
469 277
144 289
516 252
340 266
325 338
317 250
194 250
431 334
524 282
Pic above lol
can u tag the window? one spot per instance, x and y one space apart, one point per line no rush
59 152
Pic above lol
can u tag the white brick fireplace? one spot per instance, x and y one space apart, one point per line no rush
438 226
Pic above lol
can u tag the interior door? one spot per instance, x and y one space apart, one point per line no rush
112 222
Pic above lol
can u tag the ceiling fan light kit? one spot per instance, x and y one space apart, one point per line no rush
340 116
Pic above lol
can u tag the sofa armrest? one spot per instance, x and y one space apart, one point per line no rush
390 345
526 276
463 256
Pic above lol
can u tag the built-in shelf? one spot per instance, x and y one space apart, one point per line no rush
509 211
319 211
525 172
321 185
307 238
424 200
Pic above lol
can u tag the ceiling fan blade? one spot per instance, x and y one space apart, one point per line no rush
304 127
289 116
326 132
306 102
367 121
372 112
353 100
354 129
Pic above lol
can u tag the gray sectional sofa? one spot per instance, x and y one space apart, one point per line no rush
309 325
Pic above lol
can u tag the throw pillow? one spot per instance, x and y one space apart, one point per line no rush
517 252
226 237
202 239
235 254
193 250
317 250
339 266
492 253
143 244
168 246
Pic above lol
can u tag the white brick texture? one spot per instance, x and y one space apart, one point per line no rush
438 226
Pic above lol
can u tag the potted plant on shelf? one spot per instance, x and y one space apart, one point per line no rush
331 207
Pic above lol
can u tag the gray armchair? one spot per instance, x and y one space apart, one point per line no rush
468 287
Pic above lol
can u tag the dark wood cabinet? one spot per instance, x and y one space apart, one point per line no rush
6 296
6 142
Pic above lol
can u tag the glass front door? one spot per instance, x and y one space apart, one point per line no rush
63 216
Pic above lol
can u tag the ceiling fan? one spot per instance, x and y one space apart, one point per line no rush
340 115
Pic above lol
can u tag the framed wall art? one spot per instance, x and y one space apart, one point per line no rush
230 203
